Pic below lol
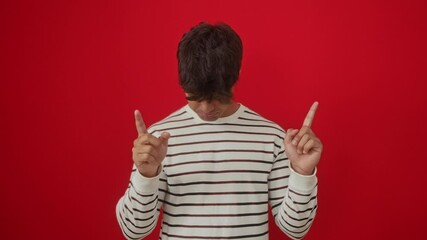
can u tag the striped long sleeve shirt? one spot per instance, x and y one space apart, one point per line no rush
217 182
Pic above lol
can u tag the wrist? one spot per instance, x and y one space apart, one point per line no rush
150 173
302 183
302 171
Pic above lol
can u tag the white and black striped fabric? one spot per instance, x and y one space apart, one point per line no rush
217 182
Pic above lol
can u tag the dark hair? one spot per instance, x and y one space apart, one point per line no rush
209 60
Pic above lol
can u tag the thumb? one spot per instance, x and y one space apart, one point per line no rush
164 137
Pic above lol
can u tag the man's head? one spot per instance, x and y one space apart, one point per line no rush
209 60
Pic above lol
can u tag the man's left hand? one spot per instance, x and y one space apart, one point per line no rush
302 146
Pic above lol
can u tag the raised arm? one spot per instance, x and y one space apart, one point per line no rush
138 210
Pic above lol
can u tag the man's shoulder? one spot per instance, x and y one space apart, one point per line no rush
178 115
250 115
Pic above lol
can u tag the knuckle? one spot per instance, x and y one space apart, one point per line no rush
148 148
300 135
134 152
308 145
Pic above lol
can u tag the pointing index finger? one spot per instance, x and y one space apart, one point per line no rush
139 122
310 115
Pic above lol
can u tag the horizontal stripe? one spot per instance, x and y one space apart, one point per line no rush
174 115
278 178
226 132
142 203
255 120
298 227
141 227
218 161
300 194
301 211
302 203
214 183
219 151
279 168
292 233
295 219
215 226
212 193
219 124
216 215
281 159
171 121
145 219
278 188
216 172
125 233
146 211
213 204
142 195
214 237
218 141
275 199
137 227
252 113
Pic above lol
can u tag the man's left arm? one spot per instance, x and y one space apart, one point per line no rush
301 154
293 197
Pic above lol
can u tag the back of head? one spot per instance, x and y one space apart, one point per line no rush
209 60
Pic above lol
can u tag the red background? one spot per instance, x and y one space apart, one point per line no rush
72 72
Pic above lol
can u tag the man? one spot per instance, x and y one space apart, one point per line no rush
215 166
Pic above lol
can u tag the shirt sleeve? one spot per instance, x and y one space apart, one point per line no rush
292 196
138 210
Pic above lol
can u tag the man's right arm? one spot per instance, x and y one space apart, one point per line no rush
138 210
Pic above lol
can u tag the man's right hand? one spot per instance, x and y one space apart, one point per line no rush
148 151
